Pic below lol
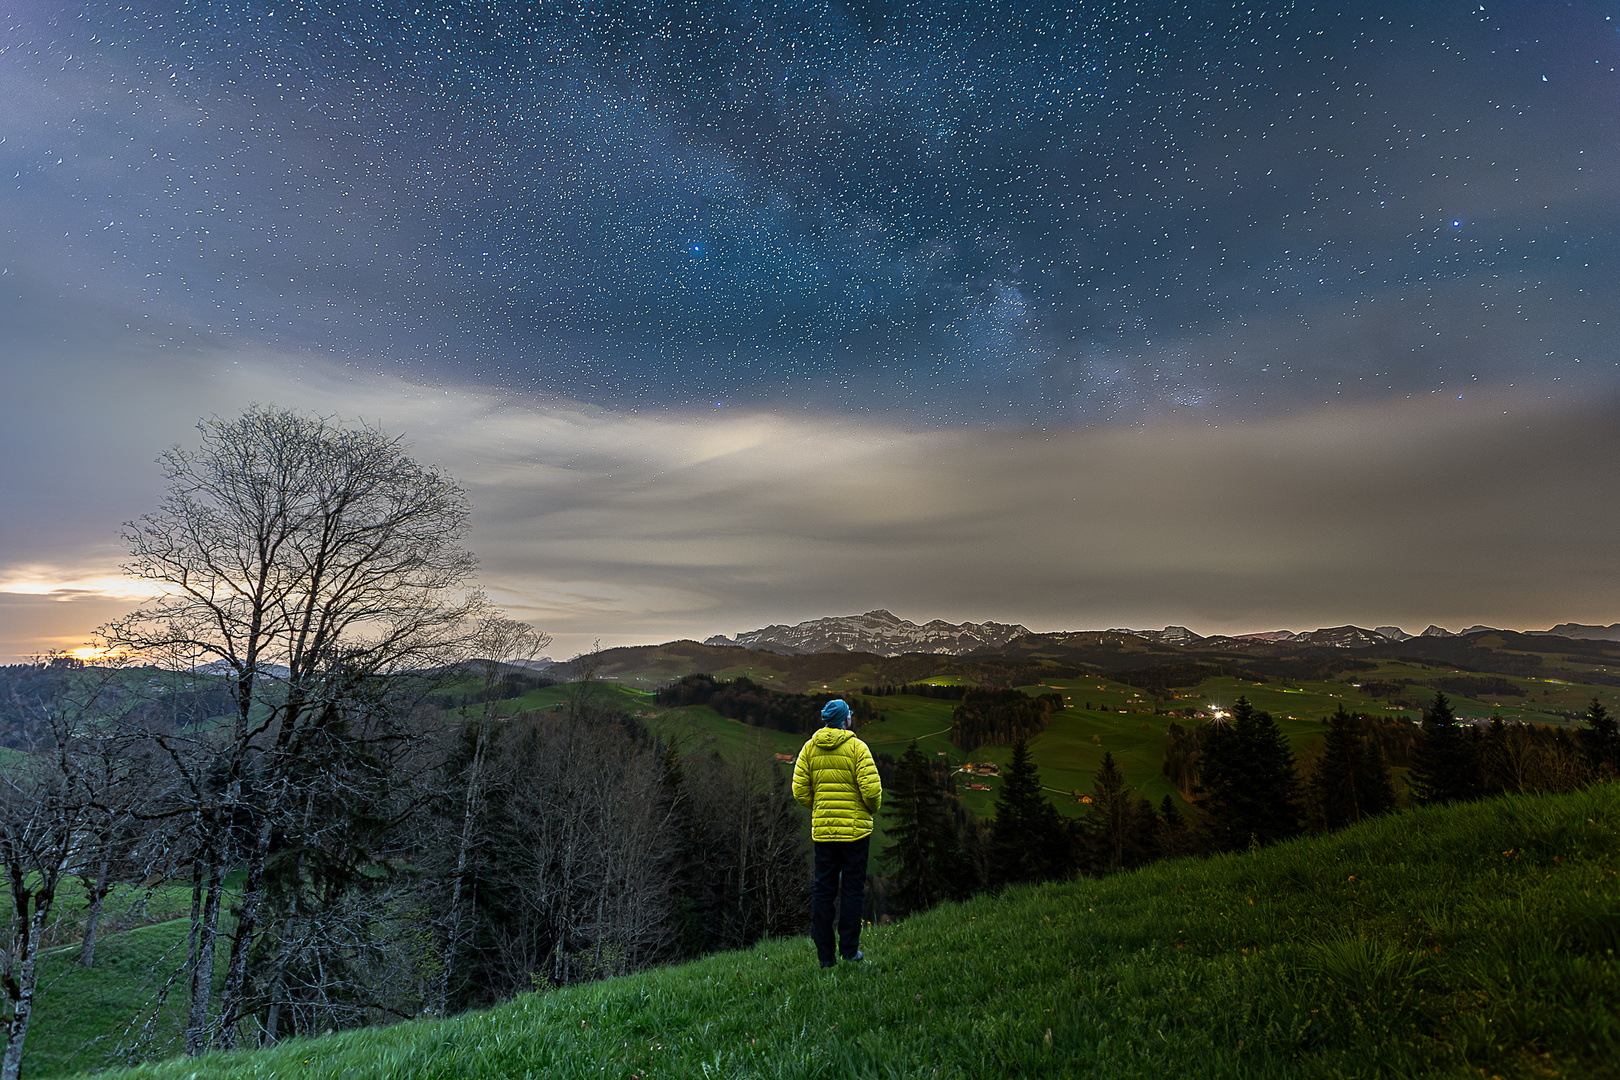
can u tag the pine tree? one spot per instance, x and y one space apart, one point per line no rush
1247 770
1445 761
1273 790
1374 784
1333 781
924 860
1173 836
1144 837
1600 741
1219 776
1496 769
1109 817
1029 839
1351 779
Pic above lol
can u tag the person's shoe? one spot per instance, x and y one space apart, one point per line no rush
857 958
828 964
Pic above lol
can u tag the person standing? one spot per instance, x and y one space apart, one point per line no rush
837 779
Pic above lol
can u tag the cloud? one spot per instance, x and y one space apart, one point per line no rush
642 526
53 582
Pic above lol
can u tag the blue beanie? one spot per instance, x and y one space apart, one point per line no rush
835 713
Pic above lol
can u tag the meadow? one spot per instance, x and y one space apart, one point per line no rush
85 1015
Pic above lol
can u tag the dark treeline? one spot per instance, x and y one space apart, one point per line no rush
20 686
1477 686
1242 777
1160 679
1394 739
1248 790
1456 762
1459 653
1399 691
745 700
998 674
162 700
999 717
927 690
937 851
1311 665
512 684
1351 779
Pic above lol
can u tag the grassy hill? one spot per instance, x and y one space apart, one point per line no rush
1479 940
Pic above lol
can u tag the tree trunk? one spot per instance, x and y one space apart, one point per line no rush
272 1019
205 901
441 996
98 892
22 991
230 997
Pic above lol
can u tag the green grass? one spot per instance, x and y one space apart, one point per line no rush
1450 942
699 729
82 1013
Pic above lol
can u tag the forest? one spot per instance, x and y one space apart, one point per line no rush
1000 717
745 700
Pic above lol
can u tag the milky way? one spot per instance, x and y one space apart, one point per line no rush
952 213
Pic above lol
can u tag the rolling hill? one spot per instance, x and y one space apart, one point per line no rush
1465 941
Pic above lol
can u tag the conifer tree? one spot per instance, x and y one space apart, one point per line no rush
1445 761
1351 780
1248 772
923 857
1499 769
1028 840
1219 777
1376 786
1600 741
1109 818
1144 840
1172 829
1272 793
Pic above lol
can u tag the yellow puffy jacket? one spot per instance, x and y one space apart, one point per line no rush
837 779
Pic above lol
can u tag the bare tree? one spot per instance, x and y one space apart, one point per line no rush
54 797
584 836
309 562
751 844
497 644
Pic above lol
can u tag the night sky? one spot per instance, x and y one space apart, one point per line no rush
1072 314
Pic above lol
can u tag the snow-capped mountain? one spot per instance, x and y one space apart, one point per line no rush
879 632
1343 637
1338 637
1170 635
223 667
1582 630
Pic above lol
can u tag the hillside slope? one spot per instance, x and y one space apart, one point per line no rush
1463 941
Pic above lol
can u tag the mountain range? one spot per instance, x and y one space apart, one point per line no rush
879 632
883 633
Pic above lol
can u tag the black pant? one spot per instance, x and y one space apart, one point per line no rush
841 873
